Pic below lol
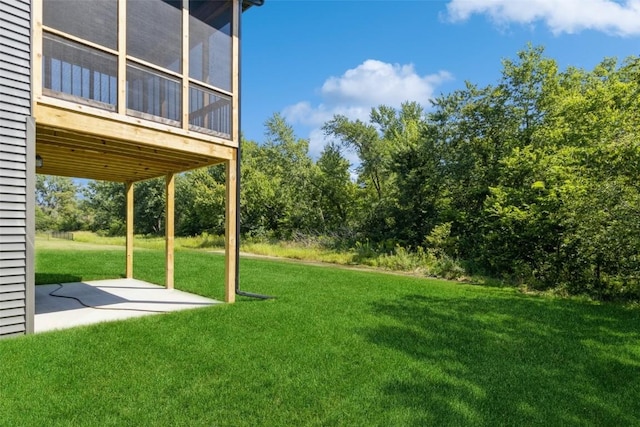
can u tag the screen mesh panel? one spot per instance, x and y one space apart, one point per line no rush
153 95
209 112
72 70
210 42
93 20
154 32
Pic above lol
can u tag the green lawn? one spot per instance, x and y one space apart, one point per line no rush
337 347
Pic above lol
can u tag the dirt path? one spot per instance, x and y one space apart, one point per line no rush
353 267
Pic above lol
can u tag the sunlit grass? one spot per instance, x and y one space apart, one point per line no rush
204 241
292 250
336 347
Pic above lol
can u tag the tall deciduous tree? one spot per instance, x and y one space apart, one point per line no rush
57 204
289 169
336 192
107 203
200 201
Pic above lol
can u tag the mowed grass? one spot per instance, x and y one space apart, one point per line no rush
335 348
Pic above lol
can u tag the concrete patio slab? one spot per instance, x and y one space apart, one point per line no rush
67 305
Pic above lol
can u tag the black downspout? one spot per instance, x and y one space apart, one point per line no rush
238 159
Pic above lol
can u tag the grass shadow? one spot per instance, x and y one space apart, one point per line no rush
531 360
51 278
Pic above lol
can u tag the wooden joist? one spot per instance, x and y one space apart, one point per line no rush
82 145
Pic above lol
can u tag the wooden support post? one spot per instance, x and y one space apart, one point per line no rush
231 226
230 233
169 228
129 220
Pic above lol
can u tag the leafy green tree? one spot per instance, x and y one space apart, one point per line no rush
562 211
106 202
602 239
364 140
57 204
380 146
200 201
149 206
286 172
336 192
258 193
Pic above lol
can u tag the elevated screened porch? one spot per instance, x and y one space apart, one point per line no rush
128 90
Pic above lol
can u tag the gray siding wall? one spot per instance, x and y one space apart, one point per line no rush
17 175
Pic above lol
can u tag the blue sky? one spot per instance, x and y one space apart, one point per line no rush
311 59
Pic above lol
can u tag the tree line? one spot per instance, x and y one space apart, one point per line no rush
534 179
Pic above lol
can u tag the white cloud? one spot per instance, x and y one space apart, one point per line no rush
355 92
621 18
375 82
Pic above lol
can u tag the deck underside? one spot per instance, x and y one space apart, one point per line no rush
75 144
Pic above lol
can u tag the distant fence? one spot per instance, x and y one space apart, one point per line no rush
61 235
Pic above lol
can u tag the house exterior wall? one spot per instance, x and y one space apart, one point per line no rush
17 170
